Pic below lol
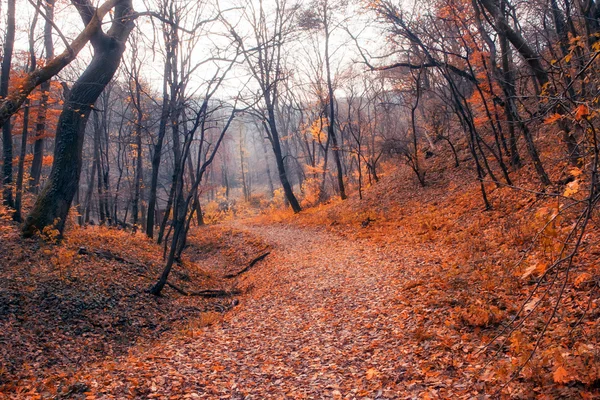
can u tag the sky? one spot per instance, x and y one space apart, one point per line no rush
69 23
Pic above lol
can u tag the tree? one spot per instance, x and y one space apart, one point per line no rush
182 214
535 62
263 51
135 94
169 97
13 101
41 125
23 153
7 144
53 203
319 16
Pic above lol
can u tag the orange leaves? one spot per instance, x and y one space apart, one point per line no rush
536 268
583 279
560 375
481 316
47 160
553 118
581 112
317 129
371 373
571 189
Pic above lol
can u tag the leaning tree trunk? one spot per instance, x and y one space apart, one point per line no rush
156 157
53 203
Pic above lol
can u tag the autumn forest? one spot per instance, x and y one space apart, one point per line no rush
288 199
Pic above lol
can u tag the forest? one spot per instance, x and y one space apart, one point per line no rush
300 199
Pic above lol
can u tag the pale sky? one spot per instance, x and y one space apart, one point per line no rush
69 23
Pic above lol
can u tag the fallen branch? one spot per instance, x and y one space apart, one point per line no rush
209 293
252 264
109 256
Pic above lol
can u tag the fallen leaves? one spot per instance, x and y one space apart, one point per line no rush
560 375
372 373
402 308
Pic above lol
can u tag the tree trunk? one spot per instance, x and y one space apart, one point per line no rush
19 189
243 171
138 164
177 168
285 183
21 169
157 155
7 144
98 162
40 128
268 168
53 203
89 192
331 112
507 84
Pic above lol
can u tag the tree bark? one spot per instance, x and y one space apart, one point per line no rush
7 144
53 203
21 169
168 105
276 144
40 128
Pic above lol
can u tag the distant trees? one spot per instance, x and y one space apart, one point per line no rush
319 16
501 76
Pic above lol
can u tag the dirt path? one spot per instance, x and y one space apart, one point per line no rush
321 321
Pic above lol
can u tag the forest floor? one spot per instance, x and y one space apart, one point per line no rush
389 297
323 317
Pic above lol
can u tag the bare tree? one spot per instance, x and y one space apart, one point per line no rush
40 128
320 16
7 144
263 51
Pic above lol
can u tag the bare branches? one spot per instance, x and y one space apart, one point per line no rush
14 100
430 64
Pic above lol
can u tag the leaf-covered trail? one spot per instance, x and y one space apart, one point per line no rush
321 320
324 321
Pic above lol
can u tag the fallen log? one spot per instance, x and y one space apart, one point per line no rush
252 264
